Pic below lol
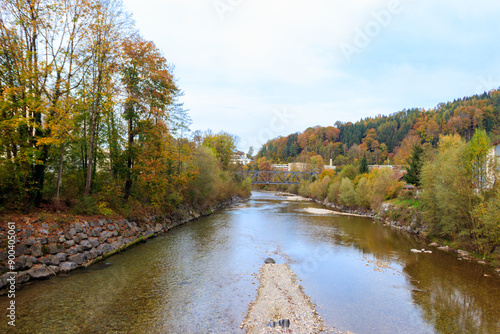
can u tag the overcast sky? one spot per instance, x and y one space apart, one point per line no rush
264 68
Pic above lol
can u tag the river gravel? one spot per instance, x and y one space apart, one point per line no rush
279 297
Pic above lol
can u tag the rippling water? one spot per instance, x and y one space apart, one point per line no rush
200 278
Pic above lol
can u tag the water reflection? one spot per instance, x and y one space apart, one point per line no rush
199 278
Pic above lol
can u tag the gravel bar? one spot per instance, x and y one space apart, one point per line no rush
281 305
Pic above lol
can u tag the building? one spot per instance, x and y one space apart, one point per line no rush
240 159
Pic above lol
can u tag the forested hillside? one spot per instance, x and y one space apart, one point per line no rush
389 139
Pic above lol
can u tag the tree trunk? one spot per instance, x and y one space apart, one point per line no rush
59 176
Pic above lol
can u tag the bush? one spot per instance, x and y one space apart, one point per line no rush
347 194
86 206
334 191
363 193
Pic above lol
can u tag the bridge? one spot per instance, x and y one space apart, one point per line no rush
277 177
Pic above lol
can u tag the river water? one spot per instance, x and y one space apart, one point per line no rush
200 278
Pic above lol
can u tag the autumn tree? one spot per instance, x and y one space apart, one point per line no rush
149 89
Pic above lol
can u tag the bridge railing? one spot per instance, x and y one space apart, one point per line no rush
277 177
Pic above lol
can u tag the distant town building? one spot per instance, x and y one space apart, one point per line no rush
240 159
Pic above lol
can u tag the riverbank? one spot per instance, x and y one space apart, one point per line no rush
409 220
41 250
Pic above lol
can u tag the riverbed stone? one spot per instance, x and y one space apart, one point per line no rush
86 244
52 239
54 269
148 233
71 251
22 249
38 271
77 258
67 266
111 227
83 236
69 243
104 248
54 248
62 238
77 239
94 242
78 228
72 232
463 253
94 253
23 262
22 277
36 250
43 241
43 231
61 257
86 256
52 260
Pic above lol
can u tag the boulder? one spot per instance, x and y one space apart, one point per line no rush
94 253
69 243
61 257
94 242
43 241
43 231
22 277
62 238
86 244
22 249
77 239
54 269
77 258
54 248
71 251
52 260
36 250
53 239
38 271
111 227
78 228
72 232
67 266
148 233
83 236
104 248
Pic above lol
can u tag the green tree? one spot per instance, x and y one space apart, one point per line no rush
347 194
412 175
363 167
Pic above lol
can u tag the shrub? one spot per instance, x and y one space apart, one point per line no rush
347 194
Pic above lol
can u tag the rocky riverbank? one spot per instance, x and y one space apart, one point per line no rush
41 251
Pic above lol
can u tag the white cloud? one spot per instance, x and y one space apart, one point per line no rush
265 54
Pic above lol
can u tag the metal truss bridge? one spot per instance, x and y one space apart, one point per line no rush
277 177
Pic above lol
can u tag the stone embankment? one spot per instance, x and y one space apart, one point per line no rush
41 251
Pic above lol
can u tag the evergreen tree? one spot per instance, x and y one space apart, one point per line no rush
412 175
363 167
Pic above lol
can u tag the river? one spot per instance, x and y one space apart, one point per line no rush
200 278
